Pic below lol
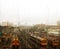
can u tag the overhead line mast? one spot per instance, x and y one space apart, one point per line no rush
18 17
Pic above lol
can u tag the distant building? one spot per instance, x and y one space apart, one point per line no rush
6 24
49 27
40 26
58 23
53 28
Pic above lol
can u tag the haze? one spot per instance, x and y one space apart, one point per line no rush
29 12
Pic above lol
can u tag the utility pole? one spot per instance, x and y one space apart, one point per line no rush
0 10
18 17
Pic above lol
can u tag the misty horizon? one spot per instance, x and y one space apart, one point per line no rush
30 12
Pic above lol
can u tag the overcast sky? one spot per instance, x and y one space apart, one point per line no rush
30 12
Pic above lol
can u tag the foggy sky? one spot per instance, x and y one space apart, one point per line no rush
30 12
